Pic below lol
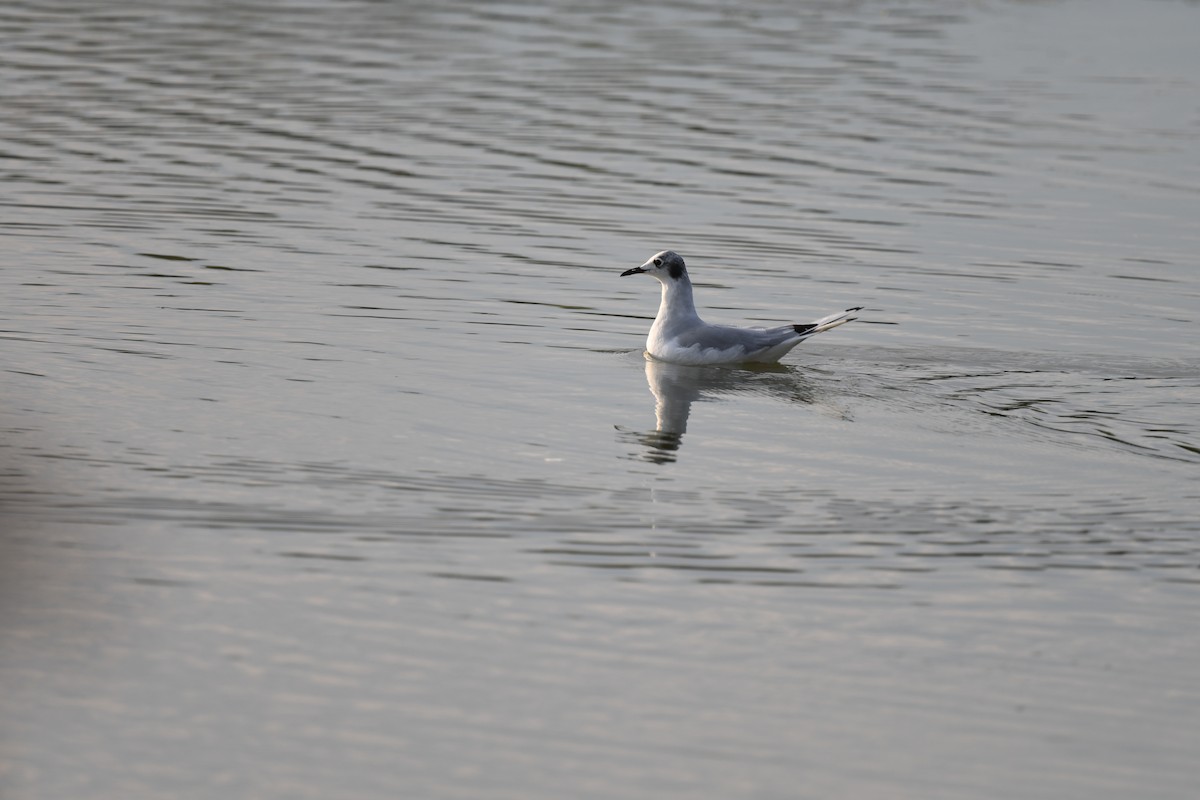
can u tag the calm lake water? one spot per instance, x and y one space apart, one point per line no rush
331 466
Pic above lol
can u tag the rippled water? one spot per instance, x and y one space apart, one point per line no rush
331 465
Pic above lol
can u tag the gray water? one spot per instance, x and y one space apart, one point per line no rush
331 466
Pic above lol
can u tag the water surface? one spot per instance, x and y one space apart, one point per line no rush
331 465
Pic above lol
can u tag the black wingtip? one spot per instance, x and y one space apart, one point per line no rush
804 328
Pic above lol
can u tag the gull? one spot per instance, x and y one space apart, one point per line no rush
679 336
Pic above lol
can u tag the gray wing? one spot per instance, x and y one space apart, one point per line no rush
753 340
723 337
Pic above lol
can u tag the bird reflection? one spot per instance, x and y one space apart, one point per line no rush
675 387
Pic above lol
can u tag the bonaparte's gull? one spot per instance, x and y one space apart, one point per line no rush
679 335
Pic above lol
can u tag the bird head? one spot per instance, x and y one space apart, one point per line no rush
666 266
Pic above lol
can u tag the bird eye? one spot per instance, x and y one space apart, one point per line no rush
658 262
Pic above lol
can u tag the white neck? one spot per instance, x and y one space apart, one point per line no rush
677 308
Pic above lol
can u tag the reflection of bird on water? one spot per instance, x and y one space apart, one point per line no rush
679 335
676 386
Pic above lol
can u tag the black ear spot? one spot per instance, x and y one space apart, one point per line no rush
676 269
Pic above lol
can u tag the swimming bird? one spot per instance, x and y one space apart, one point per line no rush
679 336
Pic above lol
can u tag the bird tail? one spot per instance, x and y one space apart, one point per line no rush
825 323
